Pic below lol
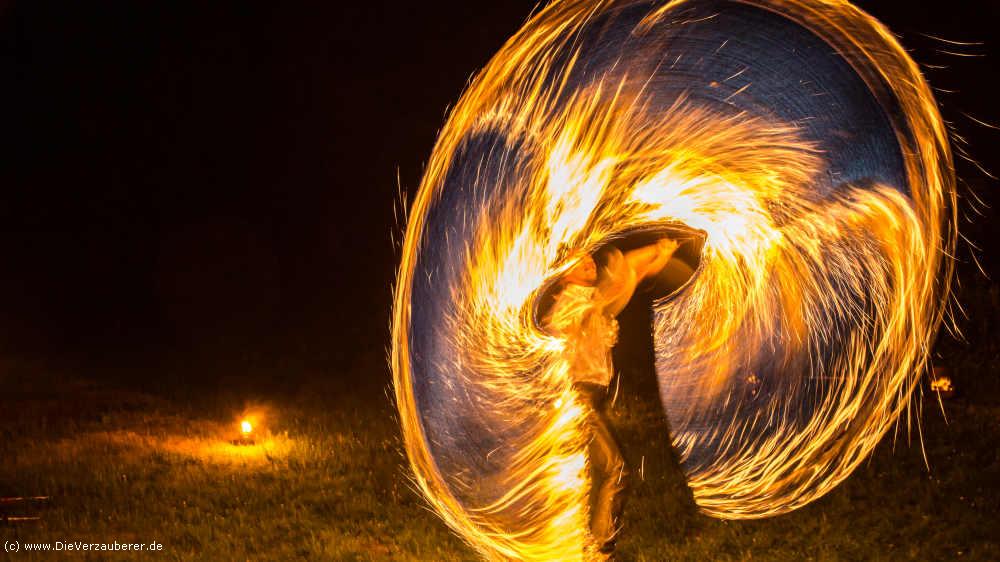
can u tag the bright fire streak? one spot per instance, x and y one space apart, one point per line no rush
829 297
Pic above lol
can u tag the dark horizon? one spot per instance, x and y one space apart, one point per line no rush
219 187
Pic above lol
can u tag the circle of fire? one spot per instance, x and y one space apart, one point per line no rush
803 143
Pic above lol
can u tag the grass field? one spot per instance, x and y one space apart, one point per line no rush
326 481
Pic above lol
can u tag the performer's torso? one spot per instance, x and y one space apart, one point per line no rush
590 333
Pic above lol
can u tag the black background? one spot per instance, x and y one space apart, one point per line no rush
198 188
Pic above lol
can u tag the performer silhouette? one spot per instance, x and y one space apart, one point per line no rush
586 304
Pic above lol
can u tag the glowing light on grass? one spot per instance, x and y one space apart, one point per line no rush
796 136
260 452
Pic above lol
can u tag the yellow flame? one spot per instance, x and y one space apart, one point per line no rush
246 428
608 166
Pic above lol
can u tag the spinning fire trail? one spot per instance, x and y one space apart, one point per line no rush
796 136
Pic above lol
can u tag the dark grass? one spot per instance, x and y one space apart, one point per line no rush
129 467
132 465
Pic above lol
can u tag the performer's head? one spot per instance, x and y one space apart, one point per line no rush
584 272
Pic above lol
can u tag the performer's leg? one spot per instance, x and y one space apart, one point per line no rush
610 474
618 481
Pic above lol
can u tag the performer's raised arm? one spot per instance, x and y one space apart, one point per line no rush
624 272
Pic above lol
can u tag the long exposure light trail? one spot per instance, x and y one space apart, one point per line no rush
796 136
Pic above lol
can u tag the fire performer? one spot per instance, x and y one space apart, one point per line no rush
584 311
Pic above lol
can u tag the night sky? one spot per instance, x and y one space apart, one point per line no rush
194 187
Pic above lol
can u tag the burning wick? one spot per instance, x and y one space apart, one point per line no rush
246 434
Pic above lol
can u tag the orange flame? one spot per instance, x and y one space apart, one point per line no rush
777 259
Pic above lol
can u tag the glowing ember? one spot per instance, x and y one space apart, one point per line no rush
942 384
796 136
246 428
